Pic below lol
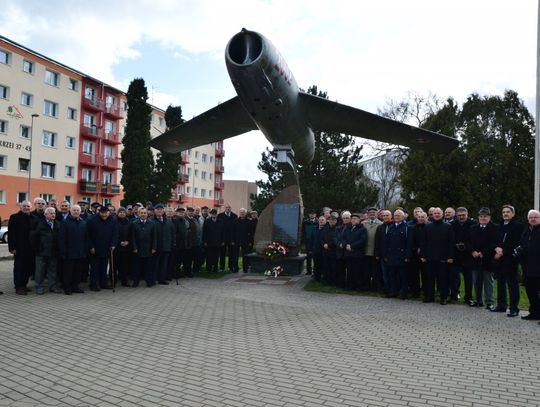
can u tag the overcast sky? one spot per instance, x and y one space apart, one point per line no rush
361 53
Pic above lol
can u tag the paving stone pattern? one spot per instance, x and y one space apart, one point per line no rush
232 343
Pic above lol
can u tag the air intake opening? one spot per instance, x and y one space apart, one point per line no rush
245 48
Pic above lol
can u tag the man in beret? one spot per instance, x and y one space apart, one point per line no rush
103 239
484 240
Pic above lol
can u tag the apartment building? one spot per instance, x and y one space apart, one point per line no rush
61 133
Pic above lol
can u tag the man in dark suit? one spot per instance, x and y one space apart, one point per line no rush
166 241
103 239
307 232
20 226
144 241
529 256
438 252
227 217
380 236
397 252
462 255
192 241
74 248
212 240
353 243
316 248
484 239
242 241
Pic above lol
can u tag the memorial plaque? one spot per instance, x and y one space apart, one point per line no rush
285 223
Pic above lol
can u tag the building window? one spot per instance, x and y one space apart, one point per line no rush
25 131
203 193
3 126
2 196
89 93
204 158
196 154
107 177
70 170
47 170
27 99
188 190
21 196
28 66
107 201
210 176
3 162
48 139
52 78
209 193
68 198
161 121
87 174
5 57
73 84
195 191
72 113
70 142
196 172
189 171
4 92
110 102
211 159
89 120
203 175
88 147
47 197
50 108
108 152
24 164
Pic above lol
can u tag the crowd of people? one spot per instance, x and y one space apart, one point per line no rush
427 253
63 245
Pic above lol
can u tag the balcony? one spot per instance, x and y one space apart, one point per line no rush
113 110
219 185
183 179
110 162
219 168
92 131
184 158
112 137
92 103
183 198
110 189
218 202
174 196
88 186
89 159
220 152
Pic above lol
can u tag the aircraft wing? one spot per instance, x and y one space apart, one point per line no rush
226 120
325 115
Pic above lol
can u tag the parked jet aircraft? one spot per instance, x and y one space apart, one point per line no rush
269 100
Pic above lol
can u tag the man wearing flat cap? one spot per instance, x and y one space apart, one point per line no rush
103 239
484 240
353 243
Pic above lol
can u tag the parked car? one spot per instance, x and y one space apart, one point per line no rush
4 234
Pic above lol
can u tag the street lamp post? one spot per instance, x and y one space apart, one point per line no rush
30 161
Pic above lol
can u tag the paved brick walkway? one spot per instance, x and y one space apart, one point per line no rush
247 343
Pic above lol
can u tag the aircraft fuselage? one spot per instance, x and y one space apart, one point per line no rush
269 93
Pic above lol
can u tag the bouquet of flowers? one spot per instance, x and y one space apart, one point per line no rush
275 250
276 271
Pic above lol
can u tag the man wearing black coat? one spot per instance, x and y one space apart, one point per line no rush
45 243
165 244
122 254
438 252
353 243
397 253
73 245
529 256
316 248
329 251
462 255
506 264
212 240
341 265
180 231
484 239
227 218
20 226
144 243
380 236
242 239
103 239
192 241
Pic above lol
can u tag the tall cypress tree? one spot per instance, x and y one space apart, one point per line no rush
165 175
137 159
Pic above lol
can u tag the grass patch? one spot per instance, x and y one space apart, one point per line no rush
315 286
